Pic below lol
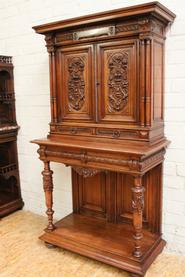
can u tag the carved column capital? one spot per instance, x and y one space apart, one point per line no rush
145 37
50 43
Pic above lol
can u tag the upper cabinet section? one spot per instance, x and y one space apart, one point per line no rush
7 97
106 73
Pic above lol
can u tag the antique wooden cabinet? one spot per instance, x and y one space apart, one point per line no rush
10 194
107 91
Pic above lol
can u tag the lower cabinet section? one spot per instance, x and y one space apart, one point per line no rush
109 195
10 193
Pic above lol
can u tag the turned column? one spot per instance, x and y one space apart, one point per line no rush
137 205
48 189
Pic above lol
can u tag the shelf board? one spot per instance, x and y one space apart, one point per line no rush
103 241
6 197
9 202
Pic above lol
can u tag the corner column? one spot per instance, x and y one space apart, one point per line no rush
137 205
48 189
50 44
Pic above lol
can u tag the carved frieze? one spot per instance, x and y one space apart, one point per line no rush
86 172
76 83
125 162
142 25
118 81
127 27
5 59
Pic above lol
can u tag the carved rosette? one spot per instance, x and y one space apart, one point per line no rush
86 172
76 84
118 81
138 199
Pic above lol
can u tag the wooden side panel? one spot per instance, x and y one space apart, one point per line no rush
89 194
158 80
124 196
153 198
117 81
75 83
152 181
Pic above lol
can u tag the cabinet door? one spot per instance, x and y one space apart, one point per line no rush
75 75
117 64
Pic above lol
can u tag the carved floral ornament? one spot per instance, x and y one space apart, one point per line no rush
86 172
118 81
76 83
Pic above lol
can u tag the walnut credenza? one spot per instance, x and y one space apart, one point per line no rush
106 83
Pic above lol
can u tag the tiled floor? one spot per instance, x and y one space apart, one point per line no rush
22 255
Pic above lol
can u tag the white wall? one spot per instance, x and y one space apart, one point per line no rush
33 113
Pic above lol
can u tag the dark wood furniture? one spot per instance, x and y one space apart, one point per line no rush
106 81
10 194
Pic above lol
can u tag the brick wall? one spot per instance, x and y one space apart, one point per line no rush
33 113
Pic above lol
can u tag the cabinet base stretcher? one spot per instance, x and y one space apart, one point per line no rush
110 243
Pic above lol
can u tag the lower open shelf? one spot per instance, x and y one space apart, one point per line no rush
106 242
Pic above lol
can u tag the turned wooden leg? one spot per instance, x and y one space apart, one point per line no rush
137 205
48 189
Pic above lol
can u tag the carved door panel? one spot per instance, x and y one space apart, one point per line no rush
75 70
117 82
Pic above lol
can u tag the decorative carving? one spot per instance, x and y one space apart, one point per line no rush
118 81
7 97
64 37
152 160
50 43
71 130
76 84
48 189
138 198
127 27
117 133
5 59
137 205
86 172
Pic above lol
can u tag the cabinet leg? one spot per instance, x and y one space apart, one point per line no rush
137 205
49 245
48 189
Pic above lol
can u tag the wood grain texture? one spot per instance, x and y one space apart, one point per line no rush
106 73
